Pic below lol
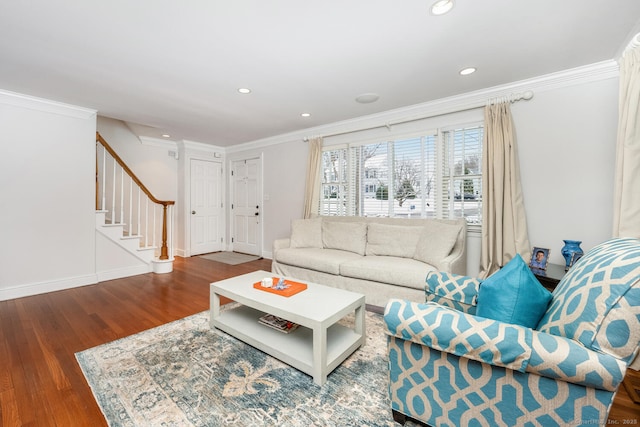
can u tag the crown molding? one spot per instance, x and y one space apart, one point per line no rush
200 146
45 105
580 75
157 142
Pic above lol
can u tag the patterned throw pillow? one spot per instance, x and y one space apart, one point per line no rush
513 295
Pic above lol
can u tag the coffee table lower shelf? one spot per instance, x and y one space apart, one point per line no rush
295 348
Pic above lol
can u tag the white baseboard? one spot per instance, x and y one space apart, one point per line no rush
123 272
44 287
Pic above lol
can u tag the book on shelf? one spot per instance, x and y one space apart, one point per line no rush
278 323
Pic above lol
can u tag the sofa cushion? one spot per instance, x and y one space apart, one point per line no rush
393 270
392 240
346 236
306 233
325 260
436 241
513 295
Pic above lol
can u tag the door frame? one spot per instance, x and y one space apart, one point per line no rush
197 151
260 196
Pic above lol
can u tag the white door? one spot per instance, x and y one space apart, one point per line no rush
206 207
245 207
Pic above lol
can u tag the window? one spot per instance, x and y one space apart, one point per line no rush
436 175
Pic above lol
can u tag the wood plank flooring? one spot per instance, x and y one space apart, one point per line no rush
41 383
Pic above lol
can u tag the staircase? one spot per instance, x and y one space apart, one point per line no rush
133 228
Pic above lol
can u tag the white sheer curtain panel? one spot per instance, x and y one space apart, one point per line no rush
626 208
312 187
504 222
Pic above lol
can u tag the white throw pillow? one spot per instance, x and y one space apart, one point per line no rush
436 242
345 235
392 240
306 233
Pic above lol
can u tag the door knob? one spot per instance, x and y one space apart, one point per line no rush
257 213
193 212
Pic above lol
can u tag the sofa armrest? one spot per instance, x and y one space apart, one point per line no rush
456 261
561 358
280 244
502 344
461 334
452 290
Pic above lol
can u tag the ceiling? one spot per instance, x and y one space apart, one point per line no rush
174 66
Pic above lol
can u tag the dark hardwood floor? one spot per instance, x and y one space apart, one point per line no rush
41 383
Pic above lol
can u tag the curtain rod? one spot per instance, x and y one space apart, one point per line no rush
514 97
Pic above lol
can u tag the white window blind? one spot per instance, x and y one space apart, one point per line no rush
431 176
333 194
461 194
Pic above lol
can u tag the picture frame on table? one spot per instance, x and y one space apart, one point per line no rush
539 258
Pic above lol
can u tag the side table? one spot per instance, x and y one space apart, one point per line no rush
550 277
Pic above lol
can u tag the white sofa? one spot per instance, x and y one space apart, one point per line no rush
381 258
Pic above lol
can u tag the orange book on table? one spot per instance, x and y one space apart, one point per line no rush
292 289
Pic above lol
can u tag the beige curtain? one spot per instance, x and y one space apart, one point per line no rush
504 223
626 208
312 187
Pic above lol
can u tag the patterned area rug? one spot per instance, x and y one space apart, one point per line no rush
232 258
185 374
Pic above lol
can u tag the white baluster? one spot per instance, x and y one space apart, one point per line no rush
146 222
104 178
154 225
121 195
113 198
138 225
130 207
170 231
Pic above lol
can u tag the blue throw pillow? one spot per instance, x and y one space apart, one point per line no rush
513 295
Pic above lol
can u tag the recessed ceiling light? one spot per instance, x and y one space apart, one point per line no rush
244 90
166 135
441 7
306 114
467 71
367 98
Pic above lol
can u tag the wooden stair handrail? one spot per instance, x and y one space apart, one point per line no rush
164 251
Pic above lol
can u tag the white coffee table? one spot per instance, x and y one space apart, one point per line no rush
317 346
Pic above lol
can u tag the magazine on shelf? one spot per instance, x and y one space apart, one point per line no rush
278 323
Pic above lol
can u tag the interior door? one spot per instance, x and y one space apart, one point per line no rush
206 207
245 208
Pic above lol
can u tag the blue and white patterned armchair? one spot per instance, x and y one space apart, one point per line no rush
449 367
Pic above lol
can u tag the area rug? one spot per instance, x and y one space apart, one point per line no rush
186 374
232 258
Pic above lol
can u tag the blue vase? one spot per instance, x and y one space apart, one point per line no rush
570 248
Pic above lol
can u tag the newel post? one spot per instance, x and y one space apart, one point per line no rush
164 250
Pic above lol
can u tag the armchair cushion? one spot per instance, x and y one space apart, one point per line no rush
513 295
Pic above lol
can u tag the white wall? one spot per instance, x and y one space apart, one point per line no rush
47 181
566 139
